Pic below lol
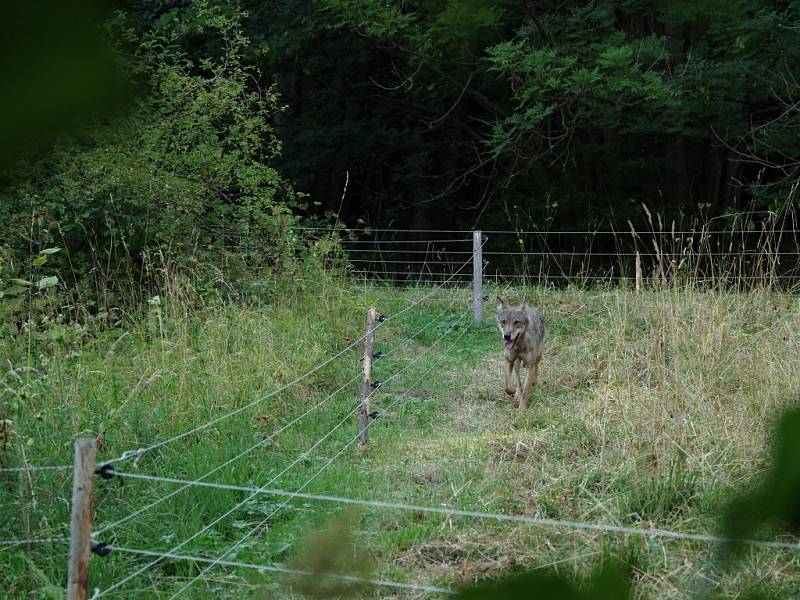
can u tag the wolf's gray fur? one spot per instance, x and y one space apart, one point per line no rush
523 331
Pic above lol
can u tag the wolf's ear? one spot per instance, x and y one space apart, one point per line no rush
501 305
524 304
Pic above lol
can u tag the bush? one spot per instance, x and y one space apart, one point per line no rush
184 174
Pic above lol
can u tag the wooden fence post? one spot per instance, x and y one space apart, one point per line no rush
80 542
477 275
366 384
638 272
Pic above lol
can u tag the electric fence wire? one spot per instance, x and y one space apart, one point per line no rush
333 459
34 468
369 230
266 440
456 512
139 452
300 458
277 568
52 540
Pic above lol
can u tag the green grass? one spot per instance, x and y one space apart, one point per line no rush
651 408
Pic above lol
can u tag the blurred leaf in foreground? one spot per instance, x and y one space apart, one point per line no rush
331 550
773 501
56 69
609 582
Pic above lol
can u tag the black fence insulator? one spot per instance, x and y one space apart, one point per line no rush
101 549
374 414
381 318
376 384
105 471
376 356
486 298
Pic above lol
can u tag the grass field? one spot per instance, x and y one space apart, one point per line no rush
651 409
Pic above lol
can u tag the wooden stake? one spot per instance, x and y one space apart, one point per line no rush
477 275
366 384
80 543
638 272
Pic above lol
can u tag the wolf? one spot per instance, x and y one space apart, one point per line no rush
523 331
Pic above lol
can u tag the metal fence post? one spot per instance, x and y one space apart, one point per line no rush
477 275
81 520
366 384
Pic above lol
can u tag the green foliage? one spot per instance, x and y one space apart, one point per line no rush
670 493
688 107
610 582
187 169
606 84
379 19
56 71
333 548
771 500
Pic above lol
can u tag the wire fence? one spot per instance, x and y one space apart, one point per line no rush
457 512
275 568
446 270
108 468
743 258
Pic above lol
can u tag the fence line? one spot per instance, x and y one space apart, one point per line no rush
455 278
56 540
456 512
277 568
302 457
266 440
331 461
207 527
404 251
34 468
619 232
141 451
403 262
419 273
692 254
382 242
230 461
585 253
573 277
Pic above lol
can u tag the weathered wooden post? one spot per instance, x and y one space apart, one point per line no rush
366 384
638 272
477 275
81 522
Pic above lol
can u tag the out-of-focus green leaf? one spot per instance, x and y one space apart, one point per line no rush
609 582
47 282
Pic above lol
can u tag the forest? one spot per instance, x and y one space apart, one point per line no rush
201 122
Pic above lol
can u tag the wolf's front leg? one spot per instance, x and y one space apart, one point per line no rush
531 379
510 387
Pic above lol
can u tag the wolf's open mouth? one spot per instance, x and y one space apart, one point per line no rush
509 344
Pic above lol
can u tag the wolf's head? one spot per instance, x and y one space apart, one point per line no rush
512 322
